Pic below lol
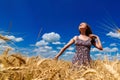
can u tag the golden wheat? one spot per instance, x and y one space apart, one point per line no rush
19 67
112 71
4 38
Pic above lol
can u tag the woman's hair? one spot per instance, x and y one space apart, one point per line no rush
88 30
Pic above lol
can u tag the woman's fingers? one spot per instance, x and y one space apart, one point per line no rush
55 58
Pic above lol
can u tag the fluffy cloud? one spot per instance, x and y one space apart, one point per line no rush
51 37
45 51
118 56
3 47
2 41
98 54
19 39
41 43
114 35
69 52
10 44
113 44
106 49
42 47
57 43
59 48
70 48
94 50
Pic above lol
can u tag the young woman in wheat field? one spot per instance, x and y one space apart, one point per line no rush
83 44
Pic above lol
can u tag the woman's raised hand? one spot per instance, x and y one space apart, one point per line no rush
93 36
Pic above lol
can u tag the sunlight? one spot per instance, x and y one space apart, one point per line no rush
118 31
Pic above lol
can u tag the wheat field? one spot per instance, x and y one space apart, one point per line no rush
19 67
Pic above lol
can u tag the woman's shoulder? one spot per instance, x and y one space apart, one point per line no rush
75 37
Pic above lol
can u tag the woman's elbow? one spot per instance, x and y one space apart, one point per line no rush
100 48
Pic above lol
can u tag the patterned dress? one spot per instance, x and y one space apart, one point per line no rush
82 55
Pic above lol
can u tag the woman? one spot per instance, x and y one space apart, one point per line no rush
83 44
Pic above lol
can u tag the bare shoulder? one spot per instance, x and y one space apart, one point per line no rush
74 38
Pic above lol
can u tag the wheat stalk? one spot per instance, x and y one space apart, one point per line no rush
81 79
4 38
112 71
89 71
19 58
13 68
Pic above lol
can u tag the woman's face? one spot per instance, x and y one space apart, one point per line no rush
83 26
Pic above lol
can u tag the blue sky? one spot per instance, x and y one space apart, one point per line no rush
21 21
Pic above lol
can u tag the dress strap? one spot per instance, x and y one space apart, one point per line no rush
77 37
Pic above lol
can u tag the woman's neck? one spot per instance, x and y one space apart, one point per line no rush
83 33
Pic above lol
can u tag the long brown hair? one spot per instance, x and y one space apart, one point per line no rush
88 30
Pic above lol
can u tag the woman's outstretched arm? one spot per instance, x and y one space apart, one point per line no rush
65 47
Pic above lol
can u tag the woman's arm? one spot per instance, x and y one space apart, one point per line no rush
65 47
97 43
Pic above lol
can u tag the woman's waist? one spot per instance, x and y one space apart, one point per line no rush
83 48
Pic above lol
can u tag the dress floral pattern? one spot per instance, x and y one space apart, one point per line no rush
82 55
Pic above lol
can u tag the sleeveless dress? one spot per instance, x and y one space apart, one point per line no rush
82 55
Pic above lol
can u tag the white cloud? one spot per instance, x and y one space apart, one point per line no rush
11 44
106 49
8 47
59 48
47 47
114 35
51 37
113 44
98 54
2 41
67 53
118 56
19 39
70 48
45 51
39 50
41 43
94 50
57 43
3 47
103 56
42 46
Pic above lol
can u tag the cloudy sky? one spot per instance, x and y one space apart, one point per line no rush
43 27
